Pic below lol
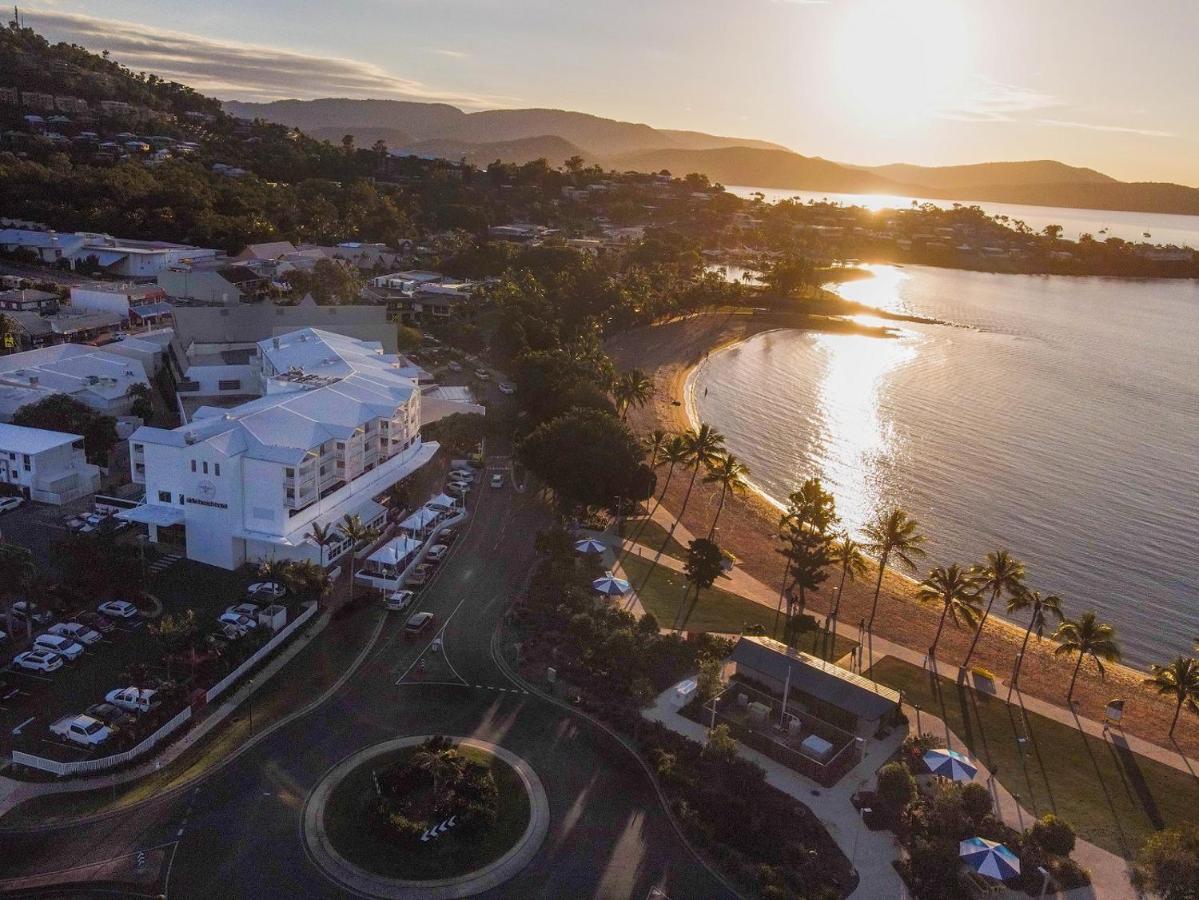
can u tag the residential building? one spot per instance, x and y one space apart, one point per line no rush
521 233
120 256
417 293
28 300
34 330
338 423
223 285
115 298
101 379
46 466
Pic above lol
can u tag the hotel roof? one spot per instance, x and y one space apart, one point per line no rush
19 439
72 369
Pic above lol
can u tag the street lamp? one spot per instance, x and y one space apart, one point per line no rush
919 730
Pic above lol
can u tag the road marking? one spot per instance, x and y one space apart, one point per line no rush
17 730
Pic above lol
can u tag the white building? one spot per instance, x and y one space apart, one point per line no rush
337 425
115 298
47 466
101 379
121 256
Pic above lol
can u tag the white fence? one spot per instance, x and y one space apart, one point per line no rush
108 762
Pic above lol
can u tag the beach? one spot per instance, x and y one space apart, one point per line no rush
671 351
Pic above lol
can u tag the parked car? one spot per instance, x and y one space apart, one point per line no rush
95 621
133 699
455 367
22 612
56 643
249 610
417 623
420 574
82 730
497 479
8 504
237 620
266 589
437 552
76 632
467 475
398 600
506 388
461 486
111 715
38 661
448 536
117 609
482 374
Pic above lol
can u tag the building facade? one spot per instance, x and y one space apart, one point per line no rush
47 466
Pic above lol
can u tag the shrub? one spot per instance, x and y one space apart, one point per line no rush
1053 835
1168 864
976 800
896 786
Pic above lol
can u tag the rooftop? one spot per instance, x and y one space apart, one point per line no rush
19 439
71 369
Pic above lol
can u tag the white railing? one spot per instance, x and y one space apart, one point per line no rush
265 650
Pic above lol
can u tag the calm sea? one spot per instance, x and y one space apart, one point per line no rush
1156 228
1058 418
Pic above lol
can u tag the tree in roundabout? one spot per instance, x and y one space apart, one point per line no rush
437 784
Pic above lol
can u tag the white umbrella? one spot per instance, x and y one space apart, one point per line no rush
611 585
989 858
590 545
950 764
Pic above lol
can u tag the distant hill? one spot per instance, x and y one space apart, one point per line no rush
521 150
1038 172
364 136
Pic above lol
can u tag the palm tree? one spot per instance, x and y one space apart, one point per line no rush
633 388
894 534
654 443
704 447
323 536
673 452
1181 679
847 553
273 569
703 567
1041 608
1001 574
1086 637
358 534
957 592
441 764
729 473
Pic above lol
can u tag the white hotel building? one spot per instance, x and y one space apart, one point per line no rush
337 424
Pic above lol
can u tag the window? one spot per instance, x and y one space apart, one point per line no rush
229 384
216 469
181 500
205 467
193 465
164 496
290 473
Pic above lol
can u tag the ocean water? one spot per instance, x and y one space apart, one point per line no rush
1161 228
1057 417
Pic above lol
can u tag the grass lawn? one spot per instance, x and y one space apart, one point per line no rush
351 825
1113 797
649 533
718 610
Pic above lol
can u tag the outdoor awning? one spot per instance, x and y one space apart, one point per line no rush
153 514
394 551
442 501
422 518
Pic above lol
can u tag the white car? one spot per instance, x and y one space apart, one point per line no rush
459 485
249 610
38 660
41 617
437 553
77 632
398 600
117 609
82 730
508 389
482 374
56 643
497 480
7 504
462 475
132 699
242 623
266 589
455 367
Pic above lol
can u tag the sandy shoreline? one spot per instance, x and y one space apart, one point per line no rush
672 352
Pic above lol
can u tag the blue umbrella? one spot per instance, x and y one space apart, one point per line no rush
950 764
590 545
989 858
611 585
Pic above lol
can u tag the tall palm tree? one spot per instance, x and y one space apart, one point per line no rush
957 592
1041 608
273 569
847 554
359 534
895 534
1181 679
1001 574
633 388
729 473
441 764
323 536
1087 637
654 443
673 453
704 446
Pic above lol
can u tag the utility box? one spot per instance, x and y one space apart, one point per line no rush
273 617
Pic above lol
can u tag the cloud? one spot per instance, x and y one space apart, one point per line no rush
453 54
993 101
1118 129
231 70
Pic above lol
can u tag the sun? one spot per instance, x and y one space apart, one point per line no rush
896 63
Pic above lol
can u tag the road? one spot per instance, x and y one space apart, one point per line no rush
237 834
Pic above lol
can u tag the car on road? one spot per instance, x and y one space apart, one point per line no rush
82 730
398 600
77 632
266 589
110 714
117 609
94 621
466 475
482 374
497 479
38 661
56 643
22 612
8 504
506 388
133 699
417 623
242 623
437 552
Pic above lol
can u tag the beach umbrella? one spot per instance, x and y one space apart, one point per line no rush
610 585
590 545
989 858
950 764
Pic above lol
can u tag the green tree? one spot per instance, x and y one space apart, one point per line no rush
1041 609
60 412
956 591
805 533
458 433
1000 575
16 572
143 403
1179 680
442 764
729 473
407 338
1168 864
176 634
1087 637
721 744
359 534
896 786
846 554
703 566
704 446
632 389
329 281
323 536
1053 835
307 581
894 534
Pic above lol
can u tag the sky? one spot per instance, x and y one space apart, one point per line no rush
1108 84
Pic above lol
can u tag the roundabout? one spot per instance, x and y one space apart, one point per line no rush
374 823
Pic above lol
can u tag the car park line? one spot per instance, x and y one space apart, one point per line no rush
17 730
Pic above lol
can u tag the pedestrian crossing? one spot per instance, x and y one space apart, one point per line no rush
163 563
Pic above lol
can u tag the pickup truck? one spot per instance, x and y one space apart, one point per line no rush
132 699
82 730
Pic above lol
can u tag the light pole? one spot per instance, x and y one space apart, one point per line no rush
919 731
853 857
